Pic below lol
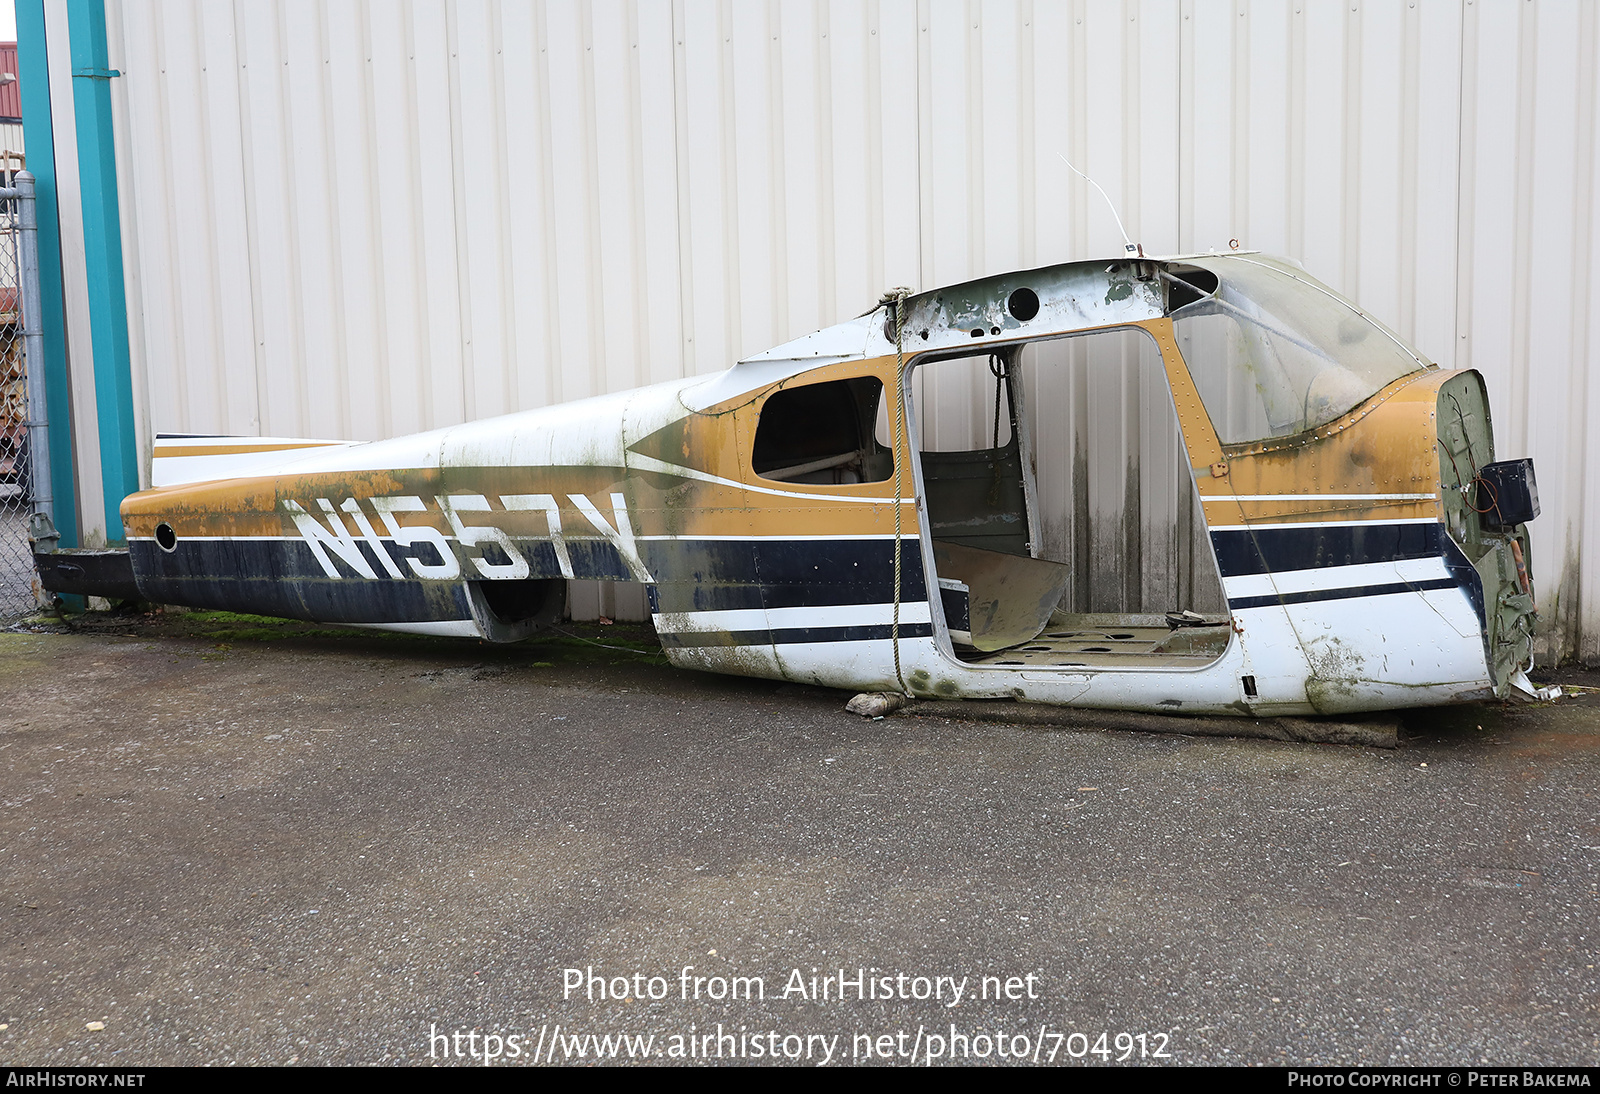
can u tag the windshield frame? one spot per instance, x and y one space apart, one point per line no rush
1376 375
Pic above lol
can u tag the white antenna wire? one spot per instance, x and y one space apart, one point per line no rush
1129 246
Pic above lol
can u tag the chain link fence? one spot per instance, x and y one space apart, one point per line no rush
17 579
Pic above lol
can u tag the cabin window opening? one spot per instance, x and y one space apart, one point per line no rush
1066 530
971 454
822 434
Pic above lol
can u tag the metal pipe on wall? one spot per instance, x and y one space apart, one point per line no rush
33 343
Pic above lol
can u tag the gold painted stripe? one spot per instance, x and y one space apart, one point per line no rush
1350 512
1319 505
237 449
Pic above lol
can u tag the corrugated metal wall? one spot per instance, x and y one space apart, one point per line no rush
363 219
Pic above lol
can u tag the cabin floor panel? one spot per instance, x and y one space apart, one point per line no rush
1109 647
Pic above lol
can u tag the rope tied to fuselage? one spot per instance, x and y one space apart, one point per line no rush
895 300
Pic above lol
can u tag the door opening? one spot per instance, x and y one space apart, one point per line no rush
1064 524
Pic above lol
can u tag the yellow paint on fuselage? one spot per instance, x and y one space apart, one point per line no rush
1378 462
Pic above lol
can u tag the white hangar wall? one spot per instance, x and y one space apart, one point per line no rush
360 219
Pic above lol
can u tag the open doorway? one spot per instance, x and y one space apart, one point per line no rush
1064 524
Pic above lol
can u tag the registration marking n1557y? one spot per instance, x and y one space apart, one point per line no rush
334 540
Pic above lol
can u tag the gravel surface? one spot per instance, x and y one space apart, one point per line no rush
239 841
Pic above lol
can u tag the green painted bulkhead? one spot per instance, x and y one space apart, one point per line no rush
1507 608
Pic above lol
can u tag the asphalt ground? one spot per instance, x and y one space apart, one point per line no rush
234 841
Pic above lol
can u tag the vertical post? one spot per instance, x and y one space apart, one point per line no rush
33 345
34 79
102 243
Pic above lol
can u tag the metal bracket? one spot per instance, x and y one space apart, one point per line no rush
42 534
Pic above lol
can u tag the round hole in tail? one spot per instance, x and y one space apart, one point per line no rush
1023 305
166 538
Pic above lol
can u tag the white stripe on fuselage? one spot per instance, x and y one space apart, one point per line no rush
750 619
1283 582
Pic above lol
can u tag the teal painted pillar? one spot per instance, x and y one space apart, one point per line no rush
102 245
33 78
